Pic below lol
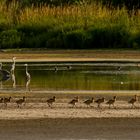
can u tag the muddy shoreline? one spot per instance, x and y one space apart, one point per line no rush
71 129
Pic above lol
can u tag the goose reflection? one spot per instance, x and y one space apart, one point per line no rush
28 78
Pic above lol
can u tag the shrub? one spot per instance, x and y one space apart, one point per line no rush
135 40
9 39
108 37
75 39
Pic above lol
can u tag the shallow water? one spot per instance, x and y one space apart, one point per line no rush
74 76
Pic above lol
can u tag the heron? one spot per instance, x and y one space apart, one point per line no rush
13 65
27 73
13 80
28 77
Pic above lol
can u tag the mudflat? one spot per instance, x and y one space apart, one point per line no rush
71 129
67 55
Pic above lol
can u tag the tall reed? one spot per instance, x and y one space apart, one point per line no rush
56 23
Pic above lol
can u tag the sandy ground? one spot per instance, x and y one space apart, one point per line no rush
37 121
70 55
38 108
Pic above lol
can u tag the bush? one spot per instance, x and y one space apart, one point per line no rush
135 40
108 37
75 39
41 37
9 39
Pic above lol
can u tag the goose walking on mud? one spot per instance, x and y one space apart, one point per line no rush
20 101
1 100
111 102
74 101
89 102
51 101
7 100
100 101
133 101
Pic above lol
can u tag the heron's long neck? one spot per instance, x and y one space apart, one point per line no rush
26 70
14 64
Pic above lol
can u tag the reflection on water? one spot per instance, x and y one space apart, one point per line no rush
13 79
73 77
28 84
28 78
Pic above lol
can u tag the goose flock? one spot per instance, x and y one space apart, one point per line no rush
73 102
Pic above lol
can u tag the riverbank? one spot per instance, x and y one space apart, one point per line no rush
71 55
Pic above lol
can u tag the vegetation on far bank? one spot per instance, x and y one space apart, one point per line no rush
78 26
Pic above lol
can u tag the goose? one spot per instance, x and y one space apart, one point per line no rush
99 101
1 100
55 69
7 100
20 101
27 73
51 101
69 67
133 101
74 101
89 101
111 101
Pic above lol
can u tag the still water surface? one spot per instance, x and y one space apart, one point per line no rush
74 76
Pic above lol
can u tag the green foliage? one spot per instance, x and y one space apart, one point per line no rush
83 26
135 40
75 39
9 39
113 37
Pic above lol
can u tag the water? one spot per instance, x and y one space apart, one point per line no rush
74 76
